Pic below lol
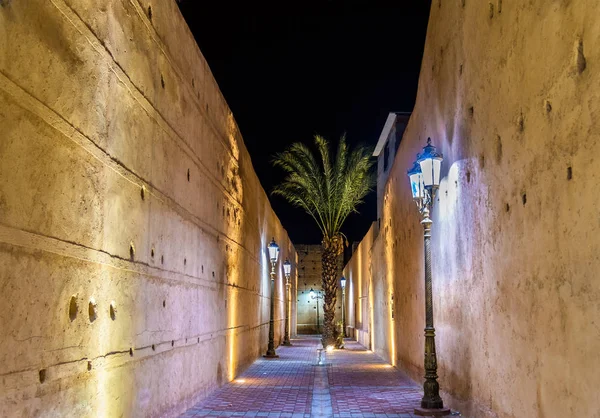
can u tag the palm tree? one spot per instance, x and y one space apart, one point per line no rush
328 191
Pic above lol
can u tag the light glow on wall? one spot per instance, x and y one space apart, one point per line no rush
388 235
449 193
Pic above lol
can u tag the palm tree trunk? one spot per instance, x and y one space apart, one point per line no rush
329 282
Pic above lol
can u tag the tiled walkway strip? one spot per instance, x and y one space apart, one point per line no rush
353 383
321 401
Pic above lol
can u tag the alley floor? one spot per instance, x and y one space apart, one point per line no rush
354 382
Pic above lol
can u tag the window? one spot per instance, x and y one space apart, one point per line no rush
386 157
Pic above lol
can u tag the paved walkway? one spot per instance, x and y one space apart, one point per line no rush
353 383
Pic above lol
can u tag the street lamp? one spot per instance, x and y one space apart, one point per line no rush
343 284
424 181
316 296
287 269
273 255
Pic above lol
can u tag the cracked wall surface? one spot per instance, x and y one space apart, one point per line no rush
133 228
509 92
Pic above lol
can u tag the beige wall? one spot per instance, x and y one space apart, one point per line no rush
124 179
358 290
310 272
510 93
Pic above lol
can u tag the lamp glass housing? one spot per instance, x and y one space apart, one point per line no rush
431 164
416 181
273 251
312 293
287 267
343 282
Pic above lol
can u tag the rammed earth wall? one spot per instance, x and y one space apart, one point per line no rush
509 92
133 228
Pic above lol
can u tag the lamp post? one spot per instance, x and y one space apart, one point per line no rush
273 255
343 283
424 181
287 269
316 296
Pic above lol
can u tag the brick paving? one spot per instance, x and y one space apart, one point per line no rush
353 383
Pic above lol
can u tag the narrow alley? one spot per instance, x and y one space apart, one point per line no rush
354 382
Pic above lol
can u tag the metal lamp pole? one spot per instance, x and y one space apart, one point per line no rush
317 297
273 254
425 180
287 268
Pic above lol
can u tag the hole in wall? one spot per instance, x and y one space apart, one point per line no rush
131 351
42 375
198 339
498 149
471 111
143 192
482 161
507 207
468 177
491 11
89 366
73 308
185 261
499 6
213 274
524 198
162 81
460 70
152 252
113 310
172 343
548 106
580 61
131 251
202 268
164 303
188 174
193 84
463 3
150 12
207 107
162 259
569 173
521 123
92 310
153 347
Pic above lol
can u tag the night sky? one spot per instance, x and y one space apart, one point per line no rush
290 70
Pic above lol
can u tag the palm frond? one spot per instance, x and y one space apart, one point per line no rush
329 191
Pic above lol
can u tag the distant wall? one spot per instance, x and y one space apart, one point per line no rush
510 93
310 272
358 290
124 181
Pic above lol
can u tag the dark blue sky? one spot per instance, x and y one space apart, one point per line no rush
327 67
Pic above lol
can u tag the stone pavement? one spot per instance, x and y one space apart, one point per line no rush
353 383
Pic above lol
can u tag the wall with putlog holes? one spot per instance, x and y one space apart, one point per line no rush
309 310
133 229
509 92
